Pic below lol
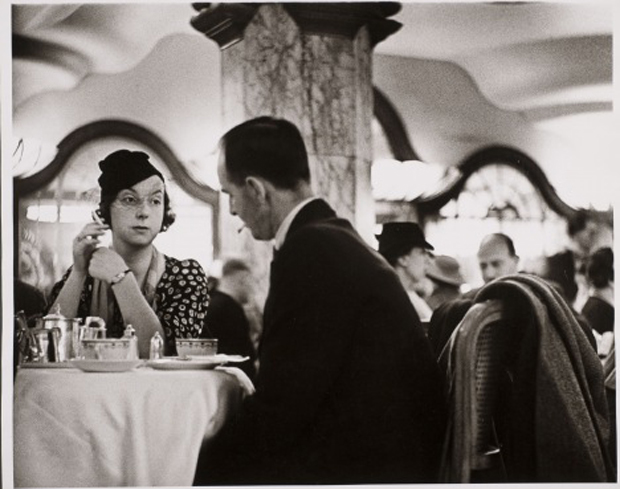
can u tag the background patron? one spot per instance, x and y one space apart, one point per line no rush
227 320
404 247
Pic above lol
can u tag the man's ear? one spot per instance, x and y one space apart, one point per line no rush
256 187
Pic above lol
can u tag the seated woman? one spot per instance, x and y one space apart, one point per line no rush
599 308
131 282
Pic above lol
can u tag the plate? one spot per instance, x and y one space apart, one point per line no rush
220 357
106 365
204 363
47 365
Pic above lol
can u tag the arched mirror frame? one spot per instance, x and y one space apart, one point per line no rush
502 155
402 149
115 128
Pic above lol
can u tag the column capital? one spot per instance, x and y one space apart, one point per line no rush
225 23
346 18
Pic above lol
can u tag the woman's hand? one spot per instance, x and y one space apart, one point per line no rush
85 243
105 264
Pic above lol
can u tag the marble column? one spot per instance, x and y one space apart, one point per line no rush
309 63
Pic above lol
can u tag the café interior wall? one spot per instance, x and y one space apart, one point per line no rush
436 118
174 92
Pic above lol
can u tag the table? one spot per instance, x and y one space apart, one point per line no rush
138 428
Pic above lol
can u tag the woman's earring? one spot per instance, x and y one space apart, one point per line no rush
169 218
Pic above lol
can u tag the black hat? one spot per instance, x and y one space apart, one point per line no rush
405 235
123 169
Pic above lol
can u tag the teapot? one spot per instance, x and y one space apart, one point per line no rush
65 334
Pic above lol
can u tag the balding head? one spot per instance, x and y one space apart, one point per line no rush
497 257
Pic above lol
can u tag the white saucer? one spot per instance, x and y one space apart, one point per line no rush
220 357
106 365
204 363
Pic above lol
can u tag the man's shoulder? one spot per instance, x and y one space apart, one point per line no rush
331 235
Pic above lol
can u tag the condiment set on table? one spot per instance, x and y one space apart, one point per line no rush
58 341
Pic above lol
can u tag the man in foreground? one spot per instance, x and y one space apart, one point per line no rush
347 390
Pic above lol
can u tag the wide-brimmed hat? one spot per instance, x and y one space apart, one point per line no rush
445 269
396 235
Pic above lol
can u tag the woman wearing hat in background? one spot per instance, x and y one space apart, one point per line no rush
403 245
131 282
445 274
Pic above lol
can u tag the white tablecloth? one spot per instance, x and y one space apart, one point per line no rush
138 428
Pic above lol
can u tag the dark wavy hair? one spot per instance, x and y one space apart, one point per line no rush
600 269
106 201
269 148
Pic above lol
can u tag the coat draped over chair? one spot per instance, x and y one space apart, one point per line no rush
552 418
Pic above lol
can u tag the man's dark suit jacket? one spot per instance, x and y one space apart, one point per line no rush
348 390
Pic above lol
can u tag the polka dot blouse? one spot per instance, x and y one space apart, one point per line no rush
181 301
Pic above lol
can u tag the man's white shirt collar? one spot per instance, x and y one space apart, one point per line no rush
288 220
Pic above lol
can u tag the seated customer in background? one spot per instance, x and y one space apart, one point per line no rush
28 298
31 301
347 390
497 257
599 308
226 320
131 282
404 247
567 268
445 274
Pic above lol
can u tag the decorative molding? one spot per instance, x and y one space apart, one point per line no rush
225 23
28 48
346 18
393 127
514 158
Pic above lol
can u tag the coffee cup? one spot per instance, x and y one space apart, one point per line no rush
107 349
187 347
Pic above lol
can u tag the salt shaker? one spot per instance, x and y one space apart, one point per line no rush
157 347
130 334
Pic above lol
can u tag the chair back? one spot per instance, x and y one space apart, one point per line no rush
473 360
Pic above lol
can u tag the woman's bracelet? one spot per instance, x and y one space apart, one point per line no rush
119 276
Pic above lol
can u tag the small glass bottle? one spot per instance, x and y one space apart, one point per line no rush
157 347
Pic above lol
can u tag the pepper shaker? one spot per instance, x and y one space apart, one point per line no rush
157 347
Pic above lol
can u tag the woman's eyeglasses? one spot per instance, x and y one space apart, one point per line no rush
134 202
